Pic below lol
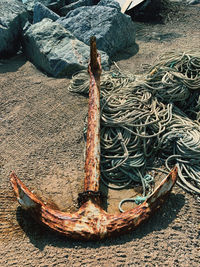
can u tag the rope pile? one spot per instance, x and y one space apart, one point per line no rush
141 120
176 78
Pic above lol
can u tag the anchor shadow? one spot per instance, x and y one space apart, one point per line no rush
40 236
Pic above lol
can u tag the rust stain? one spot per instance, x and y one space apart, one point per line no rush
92 163
91 221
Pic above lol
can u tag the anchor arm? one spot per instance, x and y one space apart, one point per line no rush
91 221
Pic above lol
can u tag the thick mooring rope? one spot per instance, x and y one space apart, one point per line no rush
141 119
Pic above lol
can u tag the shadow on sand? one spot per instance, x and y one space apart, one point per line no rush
126 53
12 64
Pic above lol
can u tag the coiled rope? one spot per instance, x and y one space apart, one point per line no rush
141 119
176 78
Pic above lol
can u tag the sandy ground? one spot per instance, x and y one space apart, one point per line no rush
41 138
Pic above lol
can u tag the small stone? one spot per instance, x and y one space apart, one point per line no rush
66 9
52 4
192 2
40 12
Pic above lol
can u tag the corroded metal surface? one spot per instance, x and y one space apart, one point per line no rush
92 162
91 221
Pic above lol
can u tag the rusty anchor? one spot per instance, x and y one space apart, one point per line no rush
91 221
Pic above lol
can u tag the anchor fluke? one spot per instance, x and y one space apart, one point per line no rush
91 221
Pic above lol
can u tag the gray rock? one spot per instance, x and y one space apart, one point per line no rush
114 31
13 16
52 4
40 12
64 10
110 3
55 50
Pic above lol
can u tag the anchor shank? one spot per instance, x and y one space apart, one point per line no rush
92 162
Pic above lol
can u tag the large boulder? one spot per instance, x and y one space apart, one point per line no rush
40 12
13 16
56 51
114 31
